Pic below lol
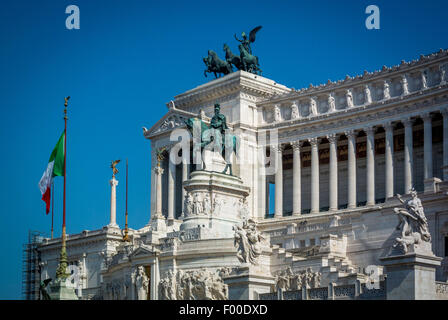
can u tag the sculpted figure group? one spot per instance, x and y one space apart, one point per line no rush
248 241
192 285
412 223
288 280
246 61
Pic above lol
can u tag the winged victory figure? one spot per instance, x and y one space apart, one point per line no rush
113 165
247 41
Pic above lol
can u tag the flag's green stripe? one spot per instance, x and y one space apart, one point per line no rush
58 156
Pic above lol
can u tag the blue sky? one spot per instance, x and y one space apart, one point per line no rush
131 57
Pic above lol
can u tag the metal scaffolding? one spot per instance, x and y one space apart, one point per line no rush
30 266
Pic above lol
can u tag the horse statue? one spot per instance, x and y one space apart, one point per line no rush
232 58
215 65
209 135
249 61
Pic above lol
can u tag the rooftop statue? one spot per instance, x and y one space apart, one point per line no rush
246 61
215 65
245 42
223 141
412 223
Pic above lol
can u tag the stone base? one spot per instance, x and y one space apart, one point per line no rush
248 284
411 276
432 185
60 291
158 223
224 193
213 161
445 173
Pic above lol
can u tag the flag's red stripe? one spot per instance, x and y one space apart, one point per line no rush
46 197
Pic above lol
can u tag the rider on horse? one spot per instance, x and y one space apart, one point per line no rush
219 122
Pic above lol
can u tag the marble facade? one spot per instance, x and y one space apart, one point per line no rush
336 154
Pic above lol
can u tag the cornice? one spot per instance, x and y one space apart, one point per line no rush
374 112
367 77
239 81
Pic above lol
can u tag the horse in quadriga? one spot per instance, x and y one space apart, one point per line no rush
249 62
232 58
212 139
215 65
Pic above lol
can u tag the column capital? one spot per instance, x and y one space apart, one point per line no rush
426 116
158 170
370 131
444 112
408 122
278 148
350 134
314 141
113 182
296 145
388 126
332 137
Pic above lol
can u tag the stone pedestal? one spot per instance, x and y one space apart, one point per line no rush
213 161
411 276
214 201
60 291
247 284
158 223
432 185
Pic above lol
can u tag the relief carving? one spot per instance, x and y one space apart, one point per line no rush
287 280
248 241
193 285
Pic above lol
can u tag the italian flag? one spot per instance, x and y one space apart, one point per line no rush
55 167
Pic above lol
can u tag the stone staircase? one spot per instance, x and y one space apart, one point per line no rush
335 266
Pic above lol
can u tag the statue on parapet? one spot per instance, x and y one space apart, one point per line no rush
412 223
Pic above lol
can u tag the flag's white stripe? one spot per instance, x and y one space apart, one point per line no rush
45 181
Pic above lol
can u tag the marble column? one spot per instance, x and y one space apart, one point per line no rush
351 135
296 179
333 187
278 150
184 178
389 163
445 144
408 156
158 171
113 203
171 191
427 127
314 174
370 166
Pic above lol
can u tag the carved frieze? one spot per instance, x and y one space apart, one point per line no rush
193 285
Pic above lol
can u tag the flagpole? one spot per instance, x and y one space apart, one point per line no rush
61 272
52 207
126 237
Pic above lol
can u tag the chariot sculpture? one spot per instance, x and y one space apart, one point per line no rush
246 61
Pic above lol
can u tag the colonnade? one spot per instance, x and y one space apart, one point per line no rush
351 165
